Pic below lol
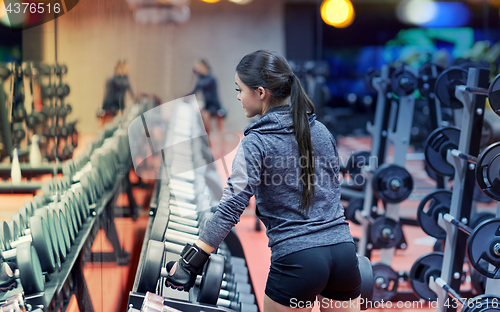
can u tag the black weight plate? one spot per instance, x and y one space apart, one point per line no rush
483 248
151 268
392 183
483 303
486 134
385 281
436 148
47 216
354 205
403 82
385 232
487 163
428 211
66 89
368 79
494 95
6 235
211 280
446 83
426 266
367 280
479 217
430 172
159 226
30 271
41 241
478 282
354 164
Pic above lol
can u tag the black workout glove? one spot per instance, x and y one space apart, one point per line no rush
189 266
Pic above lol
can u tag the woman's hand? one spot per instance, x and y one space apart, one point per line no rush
179 277
183 272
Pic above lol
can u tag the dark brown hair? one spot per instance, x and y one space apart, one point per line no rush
271 71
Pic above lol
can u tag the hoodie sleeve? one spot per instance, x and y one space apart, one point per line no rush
241 186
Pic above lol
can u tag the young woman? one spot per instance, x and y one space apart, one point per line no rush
207 84
289 161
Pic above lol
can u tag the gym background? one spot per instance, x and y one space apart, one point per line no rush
338 48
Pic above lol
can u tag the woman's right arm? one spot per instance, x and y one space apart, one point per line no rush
241 185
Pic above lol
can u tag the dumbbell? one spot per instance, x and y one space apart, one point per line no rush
57 237
426 283
235 277
60 217
230 287
38 237
65 221
181 220
70 200
52 233
29 268
81 201
90 188
237 261
483 244
151 270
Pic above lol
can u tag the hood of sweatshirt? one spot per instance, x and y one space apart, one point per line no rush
276 120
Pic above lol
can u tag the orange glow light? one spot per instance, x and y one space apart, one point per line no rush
337 13
2 9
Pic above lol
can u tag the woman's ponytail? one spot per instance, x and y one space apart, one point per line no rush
301 105
271 71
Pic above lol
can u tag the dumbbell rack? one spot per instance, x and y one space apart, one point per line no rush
99 212
392 124
464 183
160 205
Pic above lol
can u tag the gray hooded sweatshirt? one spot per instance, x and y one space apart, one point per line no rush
267 165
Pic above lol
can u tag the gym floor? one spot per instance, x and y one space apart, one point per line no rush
108 283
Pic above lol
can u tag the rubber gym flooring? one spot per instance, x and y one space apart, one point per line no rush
109 283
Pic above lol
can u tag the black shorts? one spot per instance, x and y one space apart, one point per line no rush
330 271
